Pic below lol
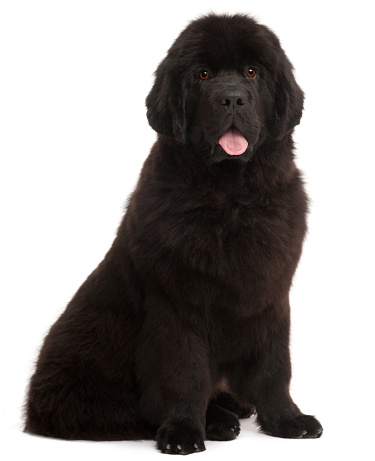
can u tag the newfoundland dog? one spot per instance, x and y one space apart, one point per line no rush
183 328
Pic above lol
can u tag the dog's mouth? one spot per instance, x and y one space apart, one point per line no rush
233 142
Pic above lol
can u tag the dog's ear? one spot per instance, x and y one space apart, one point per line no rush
166 103
288 100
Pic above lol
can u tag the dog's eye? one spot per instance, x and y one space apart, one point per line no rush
251 72
203 75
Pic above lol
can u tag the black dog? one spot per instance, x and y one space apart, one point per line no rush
184 326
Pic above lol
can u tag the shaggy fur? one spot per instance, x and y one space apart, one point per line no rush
183 328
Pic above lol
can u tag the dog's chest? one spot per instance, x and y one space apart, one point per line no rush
236 258
207 248
239 237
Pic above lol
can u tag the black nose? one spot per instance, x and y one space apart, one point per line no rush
233 100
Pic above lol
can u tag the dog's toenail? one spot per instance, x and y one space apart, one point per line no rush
168 447
179 447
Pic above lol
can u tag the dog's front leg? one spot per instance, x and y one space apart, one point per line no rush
263 379
172 370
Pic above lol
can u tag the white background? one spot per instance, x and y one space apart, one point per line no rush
73 136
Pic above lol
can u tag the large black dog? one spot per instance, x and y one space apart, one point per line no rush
184 326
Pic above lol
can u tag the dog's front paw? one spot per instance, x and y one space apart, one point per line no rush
300 427
178 439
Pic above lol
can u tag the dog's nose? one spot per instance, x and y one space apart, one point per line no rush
232 100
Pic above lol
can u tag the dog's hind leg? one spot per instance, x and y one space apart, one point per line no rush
68 409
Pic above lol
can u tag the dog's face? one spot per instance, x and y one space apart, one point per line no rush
224 88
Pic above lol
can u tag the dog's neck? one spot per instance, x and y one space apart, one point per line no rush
271 167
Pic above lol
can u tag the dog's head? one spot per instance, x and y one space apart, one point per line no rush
225 87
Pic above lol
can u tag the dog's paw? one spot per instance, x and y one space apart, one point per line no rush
300 427
222 431
221 425
178 439
228 401
246 412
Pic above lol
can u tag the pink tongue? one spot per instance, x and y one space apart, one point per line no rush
233 142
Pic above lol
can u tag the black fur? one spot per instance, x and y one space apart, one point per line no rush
184 326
